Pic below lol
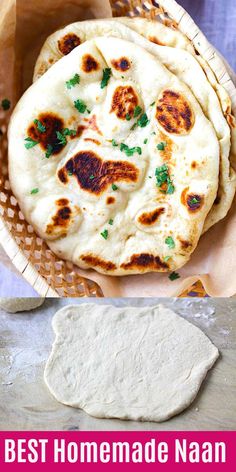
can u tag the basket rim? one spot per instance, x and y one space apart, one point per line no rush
216 61
221 69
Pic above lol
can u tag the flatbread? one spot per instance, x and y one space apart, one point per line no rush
142 364
85 219
180 58
14 305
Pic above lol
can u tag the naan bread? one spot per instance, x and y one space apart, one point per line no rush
180 58
15 305
142 364
111 205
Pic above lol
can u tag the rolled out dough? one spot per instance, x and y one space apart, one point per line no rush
13 305
131 363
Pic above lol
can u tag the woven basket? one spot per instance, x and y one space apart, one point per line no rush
49 275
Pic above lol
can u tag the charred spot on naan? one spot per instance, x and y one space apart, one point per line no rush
192 201
94 174
69 42
52 123
185 244
89 63
144 262
155 40
124 101
110 200
92 140
167 152
174 113
151 217
122 64
61 219
96 261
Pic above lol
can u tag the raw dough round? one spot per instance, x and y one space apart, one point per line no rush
13 305
132 363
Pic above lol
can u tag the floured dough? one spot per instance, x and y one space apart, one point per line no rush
131 363
13 305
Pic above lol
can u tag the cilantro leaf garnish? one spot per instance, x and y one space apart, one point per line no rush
30 143
166 258
114 143
110 222
137 111
194 201
106 77
49 151
34 190
72 82
114 187
170 242
145 141
104 234
143 120
61 138
5 104
40 127
152 104
130 151
80 105
161 146
163 177
174 276
68 132
91 177
128 117
134 126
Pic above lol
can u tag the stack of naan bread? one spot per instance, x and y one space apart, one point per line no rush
121 153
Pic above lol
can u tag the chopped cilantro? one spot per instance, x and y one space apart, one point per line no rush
106 77
34 190
49 151
70 173
5 104
72 82
137 111
80 105
153 133
91 177
161 146
194 201
134 126
174 276
145 141
166 258
143 120
114 143
152 104
61 138
163 177
128 117
170 187
40 127
30 143
170 242
104 234
110 222
130 151
122 76
114 187
68 132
